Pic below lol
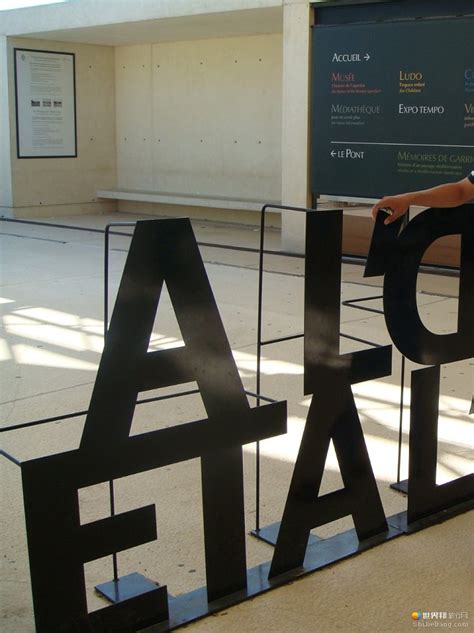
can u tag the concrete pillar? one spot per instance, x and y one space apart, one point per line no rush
295 120
5 140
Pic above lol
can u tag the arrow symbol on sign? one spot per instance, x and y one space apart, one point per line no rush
367 57
333 153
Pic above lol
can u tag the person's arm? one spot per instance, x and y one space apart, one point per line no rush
448 195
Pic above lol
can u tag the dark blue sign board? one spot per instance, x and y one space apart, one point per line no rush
392 106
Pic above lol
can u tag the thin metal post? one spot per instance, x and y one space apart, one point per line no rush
259 361
402 389
106 327
260 343
400 424
106 280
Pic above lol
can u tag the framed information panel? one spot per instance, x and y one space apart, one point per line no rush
393 106
45 104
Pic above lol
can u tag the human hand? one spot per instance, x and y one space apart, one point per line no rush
397 204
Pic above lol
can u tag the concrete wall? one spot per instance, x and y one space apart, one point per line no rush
297 18
211 111
201 117
58 186
5 163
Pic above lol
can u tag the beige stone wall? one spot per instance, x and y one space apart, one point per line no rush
59 186
297 19
5 163
201 117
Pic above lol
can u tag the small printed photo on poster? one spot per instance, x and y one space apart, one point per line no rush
46 103
35 103
58 104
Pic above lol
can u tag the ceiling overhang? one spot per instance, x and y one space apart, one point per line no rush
192 27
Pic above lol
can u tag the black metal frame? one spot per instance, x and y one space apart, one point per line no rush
269 533
400 486
224 575
118 587
17 119
109 590
52 482
376 266
431 269
400 258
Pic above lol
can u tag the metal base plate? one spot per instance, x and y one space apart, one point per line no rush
400 486
269 534
126 587
321 553
399 521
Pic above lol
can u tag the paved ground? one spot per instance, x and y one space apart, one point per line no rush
50 346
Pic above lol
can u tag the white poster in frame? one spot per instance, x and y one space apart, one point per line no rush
45 90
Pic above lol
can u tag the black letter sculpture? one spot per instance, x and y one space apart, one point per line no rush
166 251
426 348
161 250
332 413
